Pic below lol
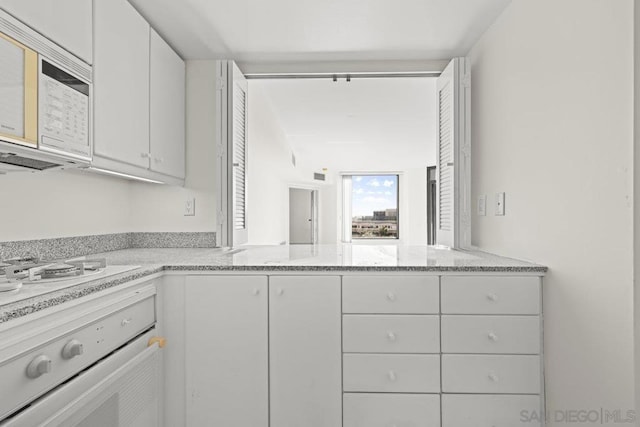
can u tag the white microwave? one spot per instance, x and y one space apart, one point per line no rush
45 102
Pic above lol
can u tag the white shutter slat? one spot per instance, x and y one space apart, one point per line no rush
238 123
453 218
445 187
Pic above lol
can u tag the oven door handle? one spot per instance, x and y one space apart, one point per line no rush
72 402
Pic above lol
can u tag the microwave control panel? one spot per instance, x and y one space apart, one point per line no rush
63 111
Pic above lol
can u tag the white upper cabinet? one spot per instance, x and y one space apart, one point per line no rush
65 22
167 109
121 83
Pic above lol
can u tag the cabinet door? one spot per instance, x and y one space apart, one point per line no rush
167 112
304 348
226 351
65 22
121 83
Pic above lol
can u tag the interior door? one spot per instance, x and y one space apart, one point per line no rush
231 121
453 217
301 215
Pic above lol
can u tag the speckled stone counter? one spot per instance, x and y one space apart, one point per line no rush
307 258
27 306
323 258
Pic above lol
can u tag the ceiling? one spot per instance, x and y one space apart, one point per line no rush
381 124
328 30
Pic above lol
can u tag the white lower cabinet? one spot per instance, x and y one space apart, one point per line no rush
490 374
472 341
390 334
328 351
387 410
491 334
226 351
467 410
305 351
401 373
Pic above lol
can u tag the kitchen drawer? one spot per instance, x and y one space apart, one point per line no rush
386 410
395 373
490 295
491 411
491 334
391 294
490 374
390 334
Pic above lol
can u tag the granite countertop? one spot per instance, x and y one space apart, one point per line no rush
309 258
322 258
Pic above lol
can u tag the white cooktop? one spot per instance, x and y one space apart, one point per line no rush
30 290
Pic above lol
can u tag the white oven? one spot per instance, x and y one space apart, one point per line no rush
101 367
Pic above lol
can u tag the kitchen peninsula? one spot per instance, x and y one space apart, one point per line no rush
379 333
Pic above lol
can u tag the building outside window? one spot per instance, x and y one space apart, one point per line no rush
374 207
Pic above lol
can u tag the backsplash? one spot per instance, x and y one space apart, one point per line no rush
68 247
173 240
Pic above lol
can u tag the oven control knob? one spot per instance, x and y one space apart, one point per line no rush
72 349
38 366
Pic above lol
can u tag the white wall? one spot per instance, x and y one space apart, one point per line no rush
413 229
271 173
331 211
74 203
161 207
552 120
636 198
62 204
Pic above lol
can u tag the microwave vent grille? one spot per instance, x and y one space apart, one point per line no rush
24 162
41 45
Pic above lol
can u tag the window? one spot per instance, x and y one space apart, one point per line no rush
374 207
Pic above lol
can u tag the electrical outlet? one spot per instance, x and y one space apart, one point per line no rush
482 205
499 204
190 207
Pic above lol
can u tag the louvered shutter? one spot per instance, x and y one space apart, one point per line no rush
238 150
239 157
453 168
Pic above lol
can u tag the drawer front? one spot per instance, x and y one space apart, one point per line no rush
491 334
490 374
390 334
391 294
490 295
386 410
394 373
491 411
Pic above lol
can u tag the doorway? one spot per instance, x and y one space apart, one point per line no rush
303 214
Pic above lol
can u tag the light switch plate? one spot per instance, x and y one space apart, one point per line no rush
190 207
499 204
482 205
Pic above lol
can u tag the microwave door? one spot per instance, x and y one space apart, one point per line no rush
18 93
